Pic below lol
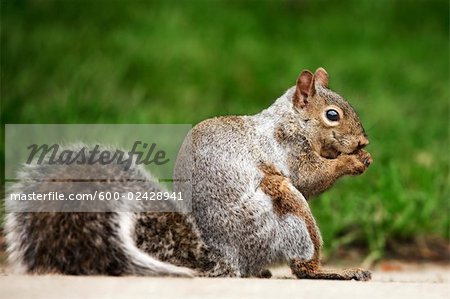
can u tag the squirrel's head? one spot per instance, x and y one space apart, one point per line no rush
332 125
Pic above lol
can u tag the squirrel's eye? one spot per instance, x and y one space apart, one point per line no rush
332 115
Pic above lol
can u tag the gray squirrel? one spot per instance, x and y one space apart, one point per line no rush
251 178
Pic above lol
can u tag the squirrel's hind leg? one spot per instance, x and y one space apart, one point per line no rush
173 238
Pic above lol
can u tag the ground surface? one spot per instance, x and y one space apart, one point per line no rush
392 282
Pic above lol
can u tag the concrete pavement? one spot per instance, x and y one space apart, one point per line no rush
422 283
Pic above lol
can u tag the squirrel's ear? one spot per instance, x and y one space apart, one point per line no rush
321 77
304 88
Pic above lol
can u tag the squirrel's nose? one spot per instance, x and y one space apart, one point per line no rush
363 142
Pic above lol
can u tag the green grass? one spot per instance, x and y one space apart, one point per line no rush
182 62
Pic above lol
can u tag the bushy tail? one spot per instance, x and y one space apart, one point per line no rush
80 243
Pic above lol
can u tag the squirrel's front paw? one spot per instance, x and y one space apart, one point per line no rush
364 157
356 163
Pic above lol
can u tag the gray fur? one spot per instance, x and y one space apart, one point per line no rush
78 243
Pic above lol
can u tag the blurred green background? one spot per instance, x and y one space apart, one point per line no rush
185 61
